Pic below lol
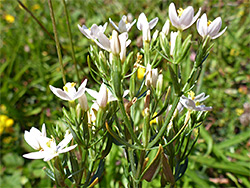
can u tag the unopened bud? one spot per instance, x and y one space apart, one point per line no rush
165 28
83 102
146 34
173 36
103 96
147 100
159 85
115 43
155 35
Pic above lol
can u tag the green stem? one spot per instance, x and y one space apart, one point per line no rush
70 37
132 164
58 48
127 122
146 53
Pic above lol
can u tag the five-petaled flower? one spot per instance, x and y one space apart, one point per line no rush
47 147
193 103
123 25
145 26
185 17
93 32
208 28
69 92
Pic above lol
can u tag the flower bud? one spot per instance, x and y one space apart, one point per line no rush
115 43
173 36
83 102
103 96
152 76
165 28
159 85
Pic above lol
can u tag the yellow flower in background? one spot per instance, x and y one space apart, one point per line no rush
140 73
154 120
239 111
3 108
35 7
9 18
5 122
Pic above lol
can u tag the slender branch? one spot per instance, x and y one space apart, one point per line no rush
58 48
70 37
37 21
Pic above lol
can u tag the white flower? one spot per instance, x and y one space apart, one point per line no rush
92 33
34 136
123 25
173 36
93 112
184 19
208 28
101 97
145 26
192 103
50 149
151 76
165 28
69 92
114 45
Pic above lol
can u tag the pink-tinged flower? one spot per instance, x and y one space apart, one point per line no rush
185 17
208 28
123 25
92 33
69 92
193 103
145 26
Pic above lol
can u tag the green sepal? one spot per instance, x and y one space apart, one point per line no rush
127 64
185 48
164 43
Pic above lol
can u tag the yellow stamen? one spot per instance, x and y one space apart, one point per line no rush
49 143
180 11
208 22
65 88
73 84
191 94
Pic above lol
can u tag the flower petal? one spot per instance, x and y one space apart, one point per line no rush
60 93
214 27
153 23
64 142
203 108
67 149
35 155
194 19
186 17
142 20
104 41
44 130
85 31
202 25
219 34
93 93
103 96
50 156
113 24
31 140
173 15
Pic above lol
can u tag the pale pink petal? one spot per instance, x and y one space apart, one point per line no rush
93 93
113 24
187 16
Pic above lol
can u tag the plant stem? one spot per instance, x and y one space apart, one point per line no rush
58 48
146 53
70 37
37 21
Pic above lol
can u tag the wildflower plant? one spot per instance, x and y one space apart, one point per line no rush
148 110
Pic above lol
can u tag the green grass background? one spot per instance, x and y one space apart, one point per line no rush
29 64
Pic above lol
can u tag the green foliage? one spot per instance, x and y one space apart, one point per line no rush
29 65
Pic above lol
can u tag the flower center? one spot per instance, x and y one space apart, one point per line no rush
180 11
49 143
69 86
191 94
209 22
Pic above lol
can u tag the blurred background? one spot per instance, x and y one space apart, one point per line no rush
29 64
